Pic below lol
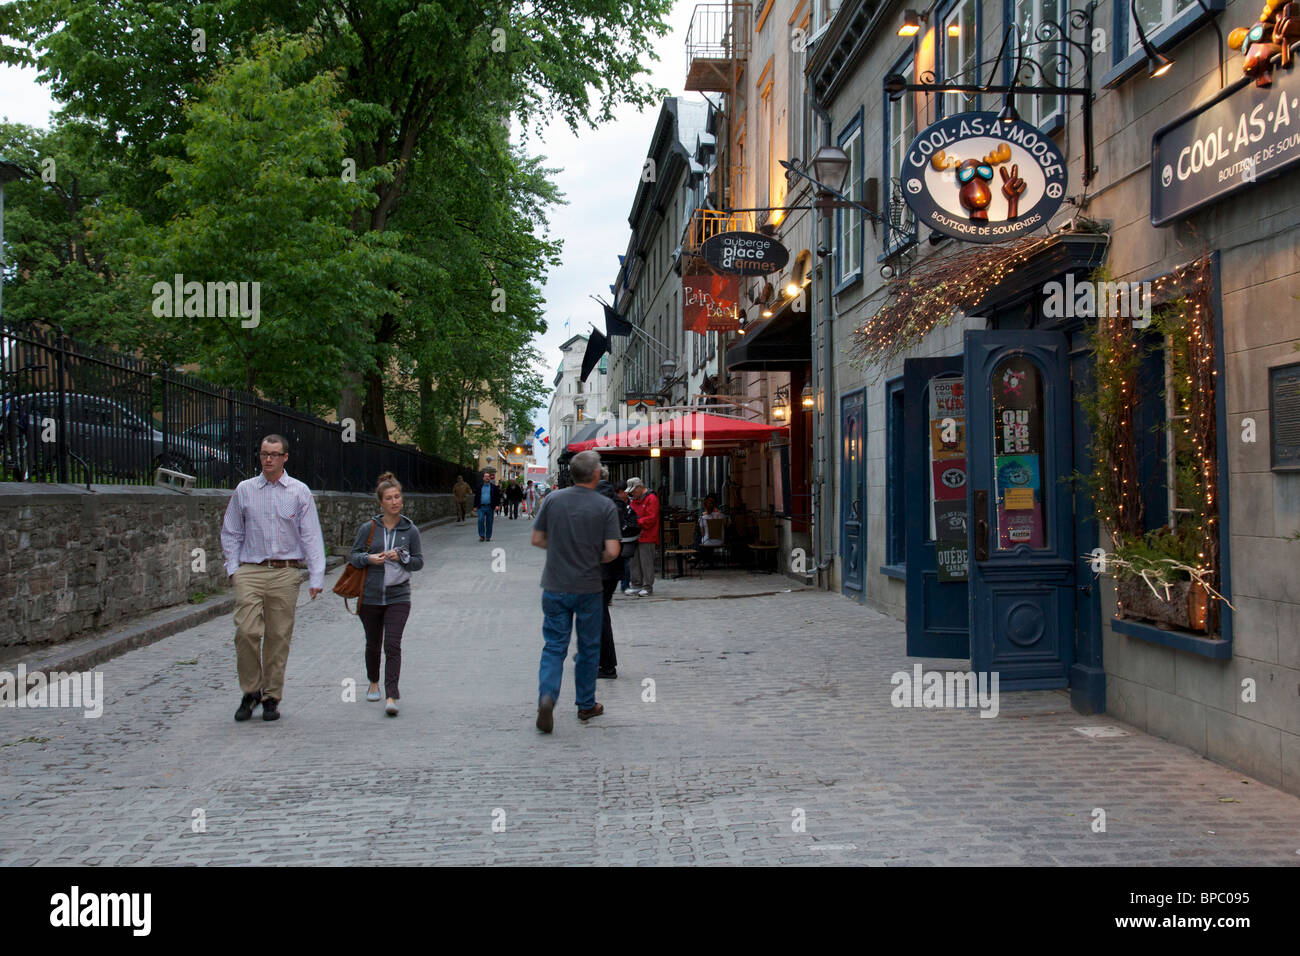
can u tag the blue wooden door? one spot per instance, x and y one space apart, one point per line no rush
935 505
853 482
1022 551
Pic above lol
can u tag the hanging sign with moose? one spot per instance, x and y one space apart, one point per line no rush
975 178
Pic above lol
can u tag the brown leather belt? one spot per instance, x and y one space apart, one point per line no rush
277 563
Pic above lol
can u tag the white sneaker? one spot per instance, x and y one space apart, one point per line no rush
643 592
372 695
633 592
391 707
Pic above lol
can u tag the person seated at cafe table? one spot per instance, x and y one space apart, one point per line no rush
706 545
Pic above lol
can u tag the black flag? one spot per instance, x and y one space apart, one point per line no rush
615 324
597 346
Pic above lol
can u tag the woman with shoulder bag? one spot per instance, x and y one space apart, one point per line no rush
385 605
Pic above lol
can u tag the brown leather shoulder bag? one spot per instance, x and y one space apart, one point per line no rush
352 582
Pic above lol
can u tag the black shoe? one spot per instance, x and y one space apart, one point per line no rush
480 537
270 709
545 715
608 673
247 704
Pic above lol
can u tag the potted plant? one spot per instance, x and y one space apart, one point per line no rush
1159 579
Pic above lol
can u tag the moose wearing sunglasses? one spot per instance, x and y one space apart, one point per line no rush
974 175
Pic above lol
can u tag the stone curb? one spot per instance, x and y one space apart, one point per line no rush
90 651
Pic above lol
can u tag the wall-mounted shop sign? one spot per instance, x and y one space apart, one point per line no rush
974 178
745 253
642 398
1244 134
710 303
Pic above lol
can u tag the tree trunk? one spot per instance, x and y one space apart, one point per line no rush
373 419
427 434
350 397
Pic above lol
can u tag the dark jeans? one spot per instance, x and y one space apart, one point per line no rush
562 614
514 509
384 624
609 659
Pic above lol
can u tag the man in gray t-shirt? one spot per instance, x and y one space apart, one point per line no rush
578 528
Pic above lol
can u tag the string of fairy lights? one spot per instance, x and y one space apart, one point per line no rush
934 294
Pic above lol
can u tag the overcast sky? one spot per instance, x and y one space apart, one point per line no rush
600 170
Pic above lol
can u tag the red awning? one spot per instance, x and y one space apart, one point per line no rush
694 431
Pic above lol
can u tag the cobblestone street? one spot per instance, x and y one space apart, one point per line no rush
771 738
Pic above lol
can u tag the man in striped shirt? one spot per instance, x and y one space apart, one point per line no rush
271 528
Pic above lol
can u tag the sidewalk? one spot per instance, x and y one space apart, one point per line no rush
770 738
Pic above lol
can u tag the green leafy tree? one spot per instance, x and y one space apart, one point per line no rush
258 196
466 334
58 279
409 73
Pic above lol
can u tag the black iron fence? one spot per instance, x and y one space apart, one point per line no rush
71 412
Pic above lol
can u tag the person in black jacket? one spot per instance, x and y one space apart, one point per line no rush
487 498
393 553
514 495
612 572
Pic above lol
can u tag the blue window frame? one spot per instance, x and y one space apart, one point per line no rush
1043 110
900 130
958 58
1151 411
848 222
895 513
1127 56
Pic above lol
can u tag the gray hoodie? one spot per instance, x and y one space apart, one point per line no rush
405 536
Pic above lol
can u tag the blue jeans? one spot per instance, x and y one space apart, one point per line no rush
626 582
561 610
485 516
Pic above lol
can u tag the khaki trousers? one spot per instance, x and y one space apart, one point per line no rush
264 609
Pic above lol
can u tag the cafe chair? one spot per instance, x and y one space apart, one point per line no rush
681 544
767 541
715 531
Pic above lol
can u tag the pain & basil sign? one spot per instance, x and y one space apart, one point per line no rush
973 177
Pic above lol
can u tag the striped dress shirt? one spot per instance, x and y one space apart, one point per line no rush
273 520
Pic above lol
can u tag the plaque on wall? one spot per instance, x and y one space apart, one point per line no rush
1284 417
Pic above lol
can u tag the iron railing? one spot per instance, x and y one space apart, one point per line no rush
72 411
719 37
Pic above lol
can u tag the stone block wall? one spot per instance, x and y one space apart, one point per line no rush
73 561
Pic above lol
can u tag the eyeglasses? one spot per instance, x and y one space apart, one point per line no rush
272 454
970 172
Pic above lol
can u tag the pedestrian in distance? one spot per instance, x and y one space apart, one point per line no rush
514 497
488 500
530 499
645 503
628 553
578 528
462 492
387 548
612 572
706 546
270 528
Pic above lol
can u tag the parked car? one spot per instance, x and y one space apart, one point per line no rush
242 451
111 438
